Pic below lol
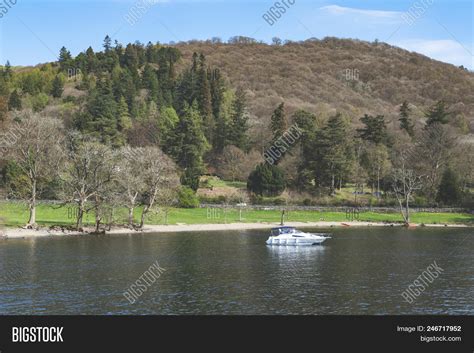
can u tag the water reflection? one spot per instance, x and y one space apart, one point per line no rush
359 271
283 251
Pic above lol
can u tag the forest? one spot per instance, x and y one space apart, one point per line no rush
143 126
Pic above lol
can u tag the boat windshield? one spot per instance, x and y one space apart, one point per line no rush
282 230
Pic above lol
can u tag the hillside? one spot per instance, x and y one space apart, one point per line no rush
324 76
311 75
219 109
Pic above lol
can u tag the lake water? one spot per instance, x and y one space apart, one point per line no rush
359 271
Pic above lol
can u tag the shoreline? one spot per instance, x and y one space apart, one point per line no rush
21 233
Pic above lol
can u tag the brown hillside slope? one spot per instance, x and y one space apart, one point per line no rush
350 76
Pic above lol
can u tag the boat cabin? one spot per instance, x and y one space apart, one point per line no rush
282 230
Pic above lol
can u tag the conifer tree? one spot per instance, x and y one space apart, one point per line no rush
90 61
405 119
239 126
279 123
150 82
14 102
204 99
437 114
266 180
450 191
65 58
217 91
107 44
100 117
57 87
332 158
124 120
192 145
375 129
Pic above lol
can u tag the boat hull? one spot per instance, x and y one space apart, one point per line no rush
295 241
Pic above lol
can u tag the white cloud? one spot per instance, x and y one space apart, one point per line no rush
340 10
445 50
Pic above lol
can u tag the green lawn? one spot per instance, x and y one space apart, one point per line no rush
12 215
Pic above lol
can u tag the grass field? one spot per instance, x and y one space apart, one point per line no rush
13 215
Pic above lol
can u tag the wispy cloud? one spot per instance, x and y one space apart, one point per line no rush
445 50
340 10
386 17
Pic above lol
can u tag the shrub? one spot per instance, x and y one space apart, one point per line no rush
39 102
213 200
187 198
420 201
449 192
266 180
69 99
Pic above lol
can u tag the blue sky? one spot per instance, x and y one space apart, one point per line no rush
33 31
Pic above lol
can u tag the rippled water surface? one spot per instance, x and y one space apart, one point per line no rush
359 271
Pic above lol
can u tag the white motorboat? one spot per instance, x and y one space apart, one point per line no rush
292 236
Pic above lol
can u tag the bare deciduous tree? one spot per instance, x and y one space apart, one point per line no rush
405 183
37 151
464 164
234 164
90 168
159 173
434 150
375 160
231 163
131 179
167 197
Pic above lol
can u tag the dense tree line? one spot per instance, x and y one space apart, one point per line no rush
430 162
134 96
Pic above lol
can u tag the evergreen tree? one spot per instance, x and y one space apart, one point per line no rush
279 123
306 122
167 57
204 89
332 156
217 91
90 61
266 180
223 122
124 86
130 58
450 191
107 44
220 122
195 65
57 87
65 59
191 147
118 49
437 114
237 134
14 102
405 119
124 120
150 82
375 129
100 117
204 99
167 122
184 91
151 54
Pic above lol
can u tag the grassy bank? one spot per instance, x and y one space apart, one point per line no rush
13 215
